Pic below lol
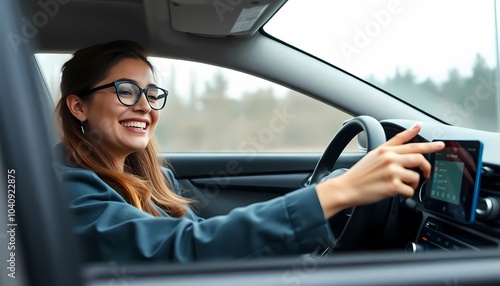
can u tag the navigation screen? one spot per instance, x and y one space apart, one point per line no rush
453 187
447 181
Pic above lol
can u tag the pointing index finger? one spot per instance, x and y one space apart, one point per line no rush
404 136
422 148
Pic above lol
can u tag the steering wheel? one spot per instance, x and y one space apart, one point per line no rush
362 219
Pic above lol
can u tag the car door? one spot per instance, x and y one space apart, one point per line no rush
220 182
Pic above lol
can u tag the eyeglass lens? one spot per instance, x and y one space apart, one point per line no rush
129 94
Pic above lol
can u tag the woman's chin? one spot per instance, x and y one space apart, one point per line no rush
137 146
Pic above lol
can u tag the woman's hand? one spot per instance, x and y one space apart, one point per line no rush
382 173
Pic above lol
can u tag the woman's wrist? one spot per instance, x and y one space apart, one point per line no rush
332 196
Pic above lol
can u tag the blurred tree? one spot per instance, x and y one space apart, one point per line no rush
217 113
479 100
453 86
431 87
217 88
465 101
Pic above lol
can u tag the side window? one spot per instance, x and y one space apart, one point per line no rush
212 109
50 66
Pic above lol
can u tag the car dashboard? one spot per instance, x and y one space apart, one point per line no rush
437 232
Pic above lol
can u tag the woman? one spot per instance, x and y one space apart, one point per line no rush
127 208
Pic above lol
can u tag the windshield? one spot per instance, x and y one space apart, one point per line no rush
439 56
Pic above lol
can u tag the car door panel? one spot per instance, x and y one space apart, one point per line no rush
220 182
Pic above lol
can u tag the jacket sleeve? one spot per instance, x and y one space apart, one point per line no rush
113 230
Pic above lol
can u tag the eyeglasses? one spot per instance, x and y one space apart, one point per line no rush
129 93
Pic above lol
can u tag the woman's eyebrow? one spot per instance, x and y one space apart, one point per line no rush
135 82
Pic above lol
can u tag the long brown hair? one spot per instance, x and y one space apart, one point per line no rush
142 182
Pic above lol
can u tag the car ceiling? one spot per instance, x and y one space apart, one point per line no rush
155 23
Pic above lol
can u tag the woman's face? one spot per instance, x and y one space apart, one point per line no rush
122 129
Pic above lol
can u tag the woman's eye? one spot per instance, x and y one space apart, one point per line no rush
125 93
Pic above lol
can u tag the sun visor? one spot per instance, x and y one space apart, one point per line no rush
220 18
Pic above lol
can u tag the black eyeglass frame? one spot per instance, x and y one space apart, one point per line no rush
115 84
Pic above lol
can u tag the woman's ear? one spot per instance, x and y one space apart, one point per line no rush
76 107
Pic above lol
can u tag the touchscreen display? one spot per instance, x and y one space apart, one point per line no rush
453 186
447 178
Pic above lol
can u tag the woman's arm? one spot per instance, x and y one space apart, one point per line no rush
113 230
383 172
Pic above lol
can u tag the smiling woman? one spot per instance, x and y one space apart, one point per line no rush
104 114
127 208
99 123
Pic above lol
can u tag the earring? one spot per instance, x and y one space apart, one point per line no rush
83 129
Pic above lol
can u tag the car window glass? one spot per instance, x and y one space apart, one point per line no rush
212 109
440 56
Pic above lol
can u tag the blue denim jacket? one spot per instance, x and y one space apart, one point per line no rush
113 230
